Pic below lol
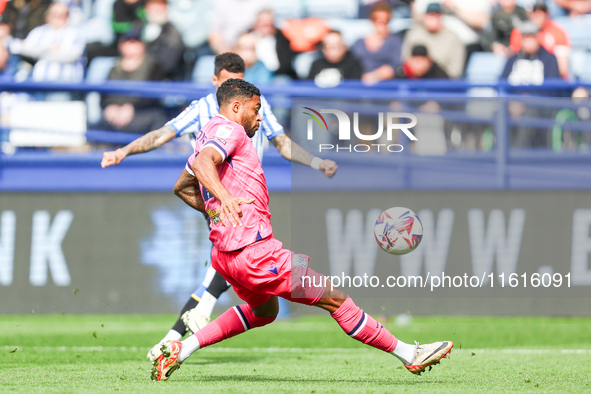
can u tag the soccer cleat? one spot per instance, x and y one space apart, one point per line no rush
429 355
154 353
194 320
168 361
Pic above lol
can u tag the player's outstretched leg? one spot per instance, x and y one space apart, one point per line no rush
234 321
362 327
196 312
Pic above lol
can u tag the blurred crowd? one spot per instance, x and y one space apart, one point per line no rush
327 41
372 40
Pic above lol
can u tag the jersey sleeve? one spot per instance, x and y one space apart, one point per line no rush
187 121
270 126
226 139
189 165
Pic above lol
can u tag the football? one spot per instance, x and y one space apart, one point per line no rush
398 230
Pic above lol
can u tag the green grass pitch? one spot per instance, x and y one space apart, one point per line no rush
90 353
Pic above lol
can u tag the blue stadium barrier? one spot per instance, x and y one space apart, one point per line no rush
501 168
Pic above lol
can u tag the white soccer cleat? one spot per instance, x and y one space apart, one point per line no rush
168 361
428 355
194 320
154 353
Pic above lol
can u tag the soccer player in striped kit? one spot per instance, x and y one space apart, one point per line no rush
197 311
224 177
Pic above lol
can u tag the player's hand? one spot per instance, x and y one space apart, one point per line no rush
328 167
230 209
112 158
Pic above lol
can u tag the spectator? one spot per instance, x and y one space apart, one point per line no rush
466 18
502 22
232 18
126 15
24 16
420 66
444 47
366 6
7 64
272 47
551 36
164 42
57 47
336 64
533 64
133 114
6 67
255 72
379 52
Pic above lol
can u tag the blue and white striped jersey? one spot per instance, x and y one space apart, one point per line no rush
199 112
59 53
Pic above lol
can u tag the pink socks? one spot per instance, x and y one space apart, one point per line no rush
363 327
234 321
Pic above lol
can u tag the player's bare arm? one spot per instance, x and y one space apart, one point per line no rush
295 153
150 141
187 189
207 175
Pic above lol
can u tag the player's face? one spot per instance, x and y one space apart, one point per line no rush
218 80
250 116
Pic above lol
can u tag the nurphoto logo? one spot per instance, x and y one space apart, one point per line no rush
392 124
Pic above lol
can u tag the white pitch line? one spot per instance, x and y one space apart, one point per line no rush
283 350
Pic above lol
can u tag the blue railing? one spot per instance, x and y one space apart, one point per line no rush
501 168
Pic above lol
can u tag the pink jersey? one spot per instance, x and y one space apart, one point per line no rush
242 175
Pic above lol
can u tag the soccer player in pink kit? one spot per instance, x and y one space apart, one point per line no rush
224 178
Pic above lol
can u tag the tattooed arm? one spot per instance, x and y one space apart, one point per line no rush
187 189
150 141
295 153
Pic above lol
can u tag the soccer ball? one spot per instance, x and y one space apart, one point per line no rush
398 230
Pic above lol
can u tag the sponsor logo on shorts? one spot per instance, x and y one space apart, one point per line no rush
299 261
273 269
214 215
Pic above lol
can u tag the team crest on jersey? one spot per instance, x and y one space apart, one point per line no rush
224 131
214 215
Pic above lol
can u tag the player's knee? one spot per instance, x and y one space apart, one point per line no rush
269 309
334 293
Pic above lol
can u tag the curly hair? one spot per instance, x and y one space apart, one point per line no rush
235 88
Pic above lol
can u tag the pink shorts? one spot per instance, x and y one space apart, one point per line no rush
264 269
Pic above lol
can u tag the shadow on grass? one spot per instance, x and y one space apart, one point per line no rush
398 381
220 360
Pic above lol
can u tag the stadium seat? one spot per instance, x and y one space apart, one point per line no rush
579 65
98 28
578 29
99 69
333 8
351 29
354 29
303 62
398 25
204 69
485 67
97 72
287 9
